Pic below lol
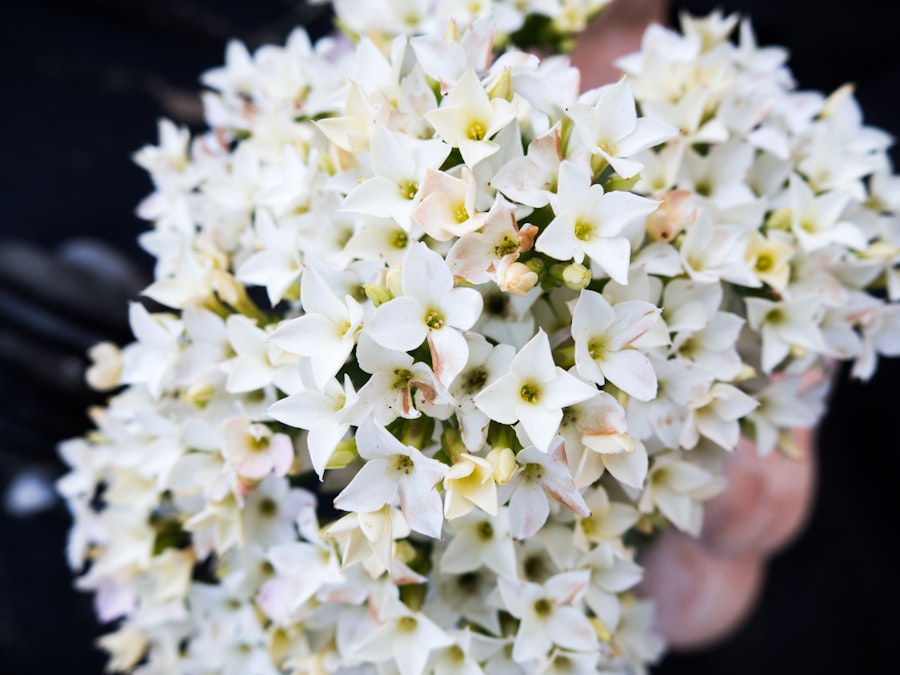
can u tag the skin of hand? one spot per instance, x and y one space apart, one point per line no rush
704 588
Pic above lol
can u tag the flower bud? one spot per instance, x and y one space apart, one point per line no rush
673 215
103 374
504 462
576 276
519 279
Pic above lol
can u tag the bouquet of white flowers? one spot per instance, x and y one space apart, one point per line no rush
445 341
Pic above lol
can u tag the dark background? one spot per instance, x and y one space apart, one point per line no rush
83 84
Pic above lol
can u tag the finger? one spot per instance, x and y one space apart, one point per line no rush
767 502
700 597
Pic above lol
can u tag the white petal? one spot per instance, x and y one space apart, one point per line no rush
631 372
398 324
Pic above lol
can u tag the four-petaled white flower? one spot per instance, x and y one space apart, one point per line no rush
548 614
469 118
589 222
395 471
603 336
611 128
327 332
533 392
430 308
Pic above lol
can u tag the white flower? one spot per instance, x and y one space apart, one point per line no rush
468 118
327 332
542 474
589 222
257 362
611 128
547 615
398 164
480 539
678 489
254 450
603 336
395 471
404 636
324 414
533 393
430 308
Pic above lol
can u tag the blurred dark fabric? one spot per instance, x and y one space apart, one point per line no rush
85 82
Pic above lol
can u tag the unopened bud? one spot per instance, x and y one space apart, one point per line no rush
232 293
106 368
675 212
519 279
392 280
377 294
576 276
503 461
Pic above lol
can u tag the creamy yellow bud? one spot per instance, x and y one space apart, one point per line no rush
503 460
106 367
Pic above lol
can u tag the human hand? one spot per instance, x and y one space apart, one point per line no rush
704 588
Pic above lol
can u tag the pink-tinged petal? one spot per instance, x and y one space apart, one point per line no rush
631 372
425 276
500 399
570 628
566 587
613 255
449 353
398 324
255 465
470 258
528 510
282 449
373 486
633 319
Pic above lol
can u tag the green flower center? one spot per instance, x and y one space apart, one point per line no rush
583 230
530 392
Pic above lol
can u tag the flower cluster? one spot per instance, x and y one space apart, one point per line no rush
440 340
